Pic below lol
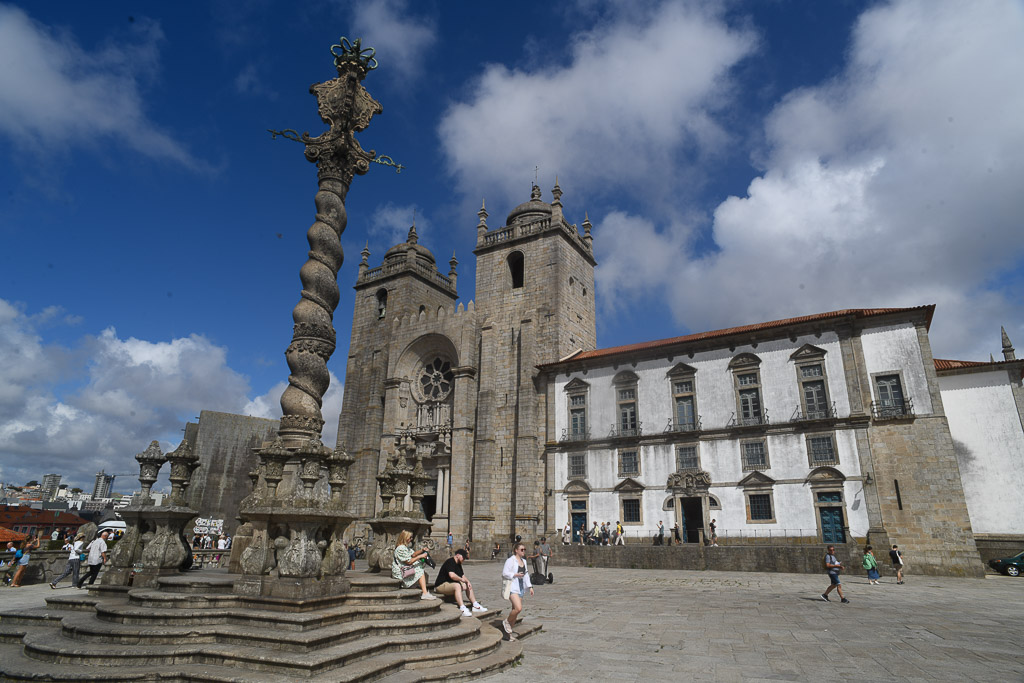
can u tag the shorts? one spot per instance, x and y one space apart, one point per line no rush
834 578
446 588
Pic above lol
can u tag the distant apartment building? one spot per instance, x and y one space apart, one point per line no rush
104 481
50 484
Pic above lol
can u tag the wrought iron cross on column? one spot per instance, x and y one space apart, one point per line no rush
346 107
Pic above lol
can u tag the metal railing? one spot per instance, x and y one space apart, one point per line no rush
675 425
749 420
575 435
752 536
618 431
892 410
800 415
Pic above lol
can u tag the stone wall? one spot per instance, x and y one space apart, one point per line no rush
800 559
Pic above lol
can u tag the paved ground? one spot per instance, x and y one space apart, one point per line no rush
654 625
631 625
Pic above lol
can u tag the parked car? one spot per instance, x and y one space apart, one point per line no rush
1011 566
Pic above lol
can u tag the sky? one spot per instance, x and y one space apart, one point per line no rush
740 161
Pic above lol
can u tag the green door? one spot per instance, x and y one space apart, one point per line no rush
831 518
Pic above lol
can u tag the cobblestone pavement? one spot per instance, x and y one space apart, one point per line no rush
655 625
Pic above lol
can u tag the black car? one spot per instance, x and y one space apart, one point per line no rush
1011 566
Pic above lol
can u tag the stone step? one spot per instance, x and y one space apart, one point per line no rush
78 601
84 627
504 656
44 647
118 612
199 582
37 615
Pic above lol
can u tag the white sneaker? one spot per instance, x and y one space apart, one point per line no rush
466 612
428 596
477 607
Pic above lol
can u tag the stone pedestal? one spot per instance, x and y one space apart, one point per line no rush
164 548
385 534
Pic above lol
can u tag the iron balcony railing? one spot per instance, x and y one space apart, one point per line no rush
749 420
575 435
674 425
892 410
618 431
800 415
824 455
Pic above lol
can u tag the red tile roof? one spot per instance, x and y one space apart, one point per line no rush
644 346
8 535
943 364
16 515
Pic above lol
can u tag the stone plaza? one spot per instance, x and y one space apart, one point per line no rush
653 625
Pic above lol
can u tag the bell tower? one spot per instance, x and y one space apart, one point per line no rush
535 304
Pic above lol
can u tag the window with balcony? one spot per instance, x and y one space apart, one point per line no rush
684 399
627 421
747 384
629 463
576 395
687 458
754 455
814 392
891 401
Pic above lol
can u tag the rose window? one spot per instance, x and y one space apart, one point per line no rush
436 380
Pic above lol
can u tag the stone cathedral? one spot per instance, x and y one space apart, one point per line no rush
461 381
835 427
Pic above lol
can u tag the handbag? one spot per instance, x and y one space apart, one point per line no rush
408 570
506 588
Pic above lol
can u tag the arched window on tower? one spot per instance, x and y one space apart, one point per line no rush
382 303
516 268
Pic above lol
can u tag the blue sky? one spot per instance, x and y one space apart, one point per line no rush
741 162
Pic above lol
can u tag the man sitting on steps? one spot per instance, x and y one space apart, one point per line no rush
451 580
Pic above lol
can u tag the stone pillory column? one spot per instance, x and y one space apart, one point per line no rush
295 510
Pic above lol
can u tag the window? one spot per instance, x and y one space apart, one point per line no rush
747 384
631 511
814 392
713 503
382 303
891 402
686 458
760 507
684 406
629 463
627 421
821 450
754 455
516 268
577 465
578 416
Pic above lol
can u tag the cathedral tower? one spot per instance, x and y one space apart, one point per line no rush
404 285
534 304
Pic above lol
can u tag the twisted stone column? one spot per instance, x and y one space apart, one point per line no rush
345 106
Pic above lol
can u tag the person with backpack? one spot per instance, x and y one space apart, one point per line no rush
871 565
897 562
833 566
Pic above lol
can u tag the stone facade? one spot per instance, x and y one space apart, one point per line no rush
224 443
481 423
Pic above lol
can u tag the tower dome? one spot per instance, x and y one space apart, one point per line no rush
531 210
411 244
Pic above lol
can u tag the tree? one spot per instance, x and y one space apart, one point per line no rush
32 483
76 490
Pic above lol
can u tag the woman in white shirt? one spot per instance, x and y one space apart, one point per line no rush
515 582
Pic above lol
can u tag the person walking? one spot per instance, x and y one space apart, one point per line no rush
515 583
408 566
22 556
661 533
74 561
97 557
834 566
871 565
714 533
897 562
619 534
567 534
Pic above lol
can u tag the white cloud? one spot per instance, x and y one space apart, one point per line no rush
401 40
125 392
638 93
54 93
390 224
269 405
896 183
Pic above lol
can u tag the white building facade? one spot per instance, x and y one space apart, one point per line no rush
777 430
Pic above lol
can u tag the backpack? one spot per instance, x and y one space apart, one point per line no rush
824 562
